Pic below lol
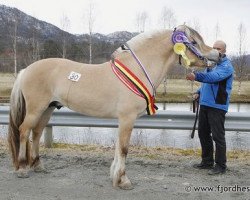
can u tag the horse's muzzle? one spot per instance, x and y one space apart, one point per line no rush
213 58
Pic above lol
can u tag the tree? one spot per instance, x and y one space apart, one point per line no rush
217 31
11 22
14 38
141 20
241 58
65 24
91 17
195 24
33 49
51 49
167 18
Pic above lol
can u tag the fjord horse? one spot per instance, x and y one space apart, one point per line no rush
96 90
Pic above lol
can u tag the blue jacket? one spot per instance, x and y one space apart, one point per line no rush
216 85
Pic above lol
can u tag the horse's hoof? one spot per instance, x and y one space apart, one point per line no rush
126 186
125 183
22 173
40 169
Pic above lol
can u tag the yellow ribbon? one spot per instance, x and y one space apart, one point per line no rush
180 49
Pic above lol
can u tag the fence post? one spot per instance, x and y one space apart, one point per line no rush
48 137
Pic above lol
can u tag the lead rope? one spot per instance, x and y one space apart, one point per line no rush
195 105
141 66
195 110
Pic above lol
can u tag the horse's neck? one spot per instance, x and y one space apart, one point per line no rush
155 53
158 64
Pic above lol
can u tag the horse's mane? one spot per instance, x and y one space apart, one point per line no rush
143 37
194 32
140 39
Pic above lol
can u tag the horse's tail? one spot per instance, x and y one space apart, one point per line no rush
16 117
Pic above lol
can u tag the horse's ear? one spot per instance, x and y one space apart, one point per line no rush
187 30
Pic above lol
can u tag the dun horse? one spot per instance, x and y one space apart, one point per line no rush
123 88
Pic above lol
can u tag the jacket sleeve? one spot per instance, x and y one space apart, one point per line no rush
221 72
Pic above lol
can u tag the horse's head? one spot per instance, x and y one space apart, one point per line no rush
189 45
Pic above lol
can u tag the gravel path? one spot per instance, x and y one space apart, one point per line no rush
83 173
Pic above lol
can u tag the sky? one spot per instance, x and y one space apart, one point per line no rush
120 15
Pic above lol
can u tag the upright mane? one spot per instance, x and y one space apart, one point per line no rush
194 32
140 39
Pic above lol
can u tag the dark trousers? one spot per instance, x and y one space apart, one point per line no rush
211 128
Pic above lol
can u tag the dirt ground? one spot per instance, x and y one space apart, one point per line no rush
82 172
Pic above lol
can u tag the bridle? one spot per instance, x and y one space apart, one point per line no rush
180 38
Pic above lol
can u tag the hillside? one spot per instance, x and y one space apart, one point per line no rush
36 37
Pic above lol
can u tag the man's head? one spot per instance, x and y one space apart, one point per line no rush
220 46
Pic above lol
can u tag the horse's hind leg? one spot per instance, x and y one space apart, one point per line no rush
30 121
117 169
36 135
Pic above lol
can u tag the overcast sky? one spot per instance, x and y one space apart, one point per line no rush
119 15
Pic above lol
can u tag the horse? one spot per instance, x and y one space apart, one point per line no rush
122 88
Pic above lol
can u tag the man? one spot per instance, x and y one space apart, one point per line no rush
214 95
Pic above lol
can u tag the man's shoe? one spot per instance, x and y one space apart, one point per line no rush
203 165
217 170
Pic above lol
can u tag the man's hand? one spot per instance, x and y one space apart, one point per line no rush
195 96
190 76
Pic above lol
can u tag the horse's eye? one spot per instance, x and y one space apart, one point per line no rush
194 42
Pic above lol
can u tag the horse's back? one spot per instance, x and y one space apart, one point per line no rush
56 71
49 80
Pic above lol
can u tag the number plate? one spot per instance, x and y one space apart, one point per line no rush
74 76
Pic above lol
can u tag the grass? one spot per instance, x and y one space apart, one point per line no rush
151 153
6 84
178 90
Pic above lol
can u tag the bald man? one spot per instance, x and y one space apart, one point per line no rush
214 95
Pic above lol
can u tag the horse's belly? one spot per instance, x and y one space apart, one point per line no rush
92 101
93 108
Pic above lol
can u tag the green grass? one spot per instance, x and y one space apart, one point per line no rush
179 90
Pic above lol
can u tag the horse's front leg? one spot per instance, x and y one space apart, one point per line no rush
117 170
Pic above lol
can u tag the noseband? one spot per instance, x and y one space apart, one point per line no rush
181 37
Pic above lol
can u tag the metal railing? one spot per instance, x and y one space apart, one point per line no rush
179 120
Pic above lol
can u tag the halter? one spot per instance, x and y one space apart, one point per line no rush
180 37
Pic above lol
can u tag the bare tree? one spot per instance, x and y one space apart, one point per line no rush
35 46
167 18
14 39
91 18
195 24
141 20
11 22
138 21
217 31
34 51
65 24
241 59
